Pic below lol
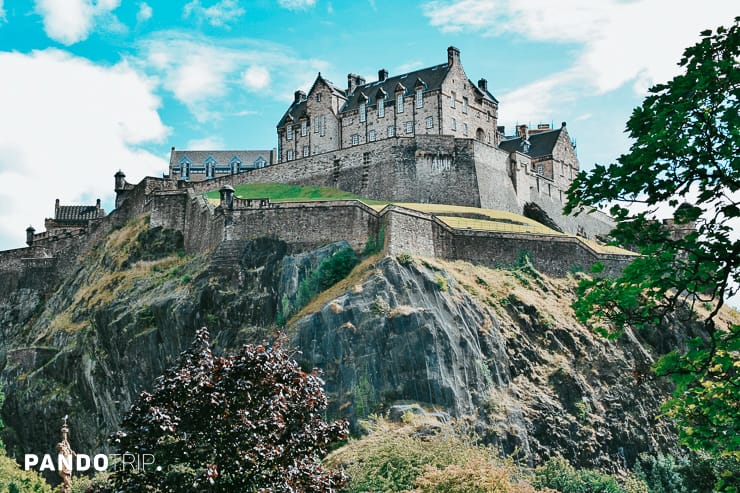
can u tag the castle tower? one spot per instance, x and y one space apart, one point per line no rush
29 235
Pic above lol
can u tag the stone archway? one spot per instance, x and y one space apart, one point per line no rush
480 135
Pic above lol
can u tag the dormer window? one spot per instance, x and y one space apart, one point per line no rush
419 98
363 112
185 166
260 162
210 165
399 103
235 164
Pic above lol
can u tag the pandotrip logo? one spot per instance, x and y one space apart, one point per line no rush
66 460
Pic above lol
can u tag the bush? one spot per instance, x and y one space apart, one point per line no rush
557 473
15 480
476 476
331 270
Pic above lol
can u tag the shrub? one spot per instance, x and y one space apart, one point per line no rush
15 480
557 473
330 271
441 282
404 259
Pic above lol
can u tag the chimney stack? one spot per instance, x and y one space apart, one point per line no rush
382 74
522 131
29 235
483 85
453 56
298 96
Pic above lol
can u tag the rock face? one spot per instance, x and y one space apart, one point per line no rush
498 347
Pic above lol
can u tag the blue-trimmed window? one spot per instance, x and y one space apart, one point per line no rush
260 162
234 164
210 163
185 166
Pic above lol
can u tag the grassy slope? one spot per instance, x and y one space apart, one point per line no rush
280 192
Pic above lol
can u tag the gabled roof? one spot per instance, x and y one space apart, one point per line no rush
540 143
77 214
222 158
431 76
297 110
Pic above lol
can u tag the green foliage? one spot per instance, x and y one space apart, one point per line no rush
557 473
375 244
330 271
2 425
246 422
686 144
404 259
441 282
665 473
280 192
14 479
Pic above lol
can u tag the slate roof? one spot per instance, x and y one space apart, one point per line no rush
77 214
298 110
431 77
540 144
223 158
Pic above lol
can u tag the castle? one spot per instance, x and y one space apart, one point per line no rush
427 136
427 141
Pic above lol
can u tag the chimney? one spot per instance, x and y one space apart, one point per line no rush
56 209
298 96
483 85
97 204
382 74
522 131
562 125
453 56
351 83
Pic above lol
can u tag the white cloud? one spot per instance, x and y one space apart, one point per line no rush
144 13
67 125
206 73
296 4
635 42
256 77
71 21
207 143
218 15
2 13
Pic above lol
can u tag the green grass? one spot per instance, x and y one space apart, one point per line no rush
280 192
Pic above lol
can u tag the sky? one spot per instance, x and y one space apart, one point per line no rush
90 87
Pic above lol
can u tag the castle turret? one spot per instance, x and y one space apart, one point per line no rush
120 181
30 231
227 197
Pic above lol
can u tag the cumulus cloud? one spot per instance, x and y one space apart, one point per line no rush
205 73
66 127
219 14
256 77
620 42
71 21
296 4
207 143
144 13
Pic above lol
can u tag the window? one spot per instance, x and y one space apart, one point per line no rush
290 154
453 124
366 158
323 125
430 122
316 150
381 108
391 131
409 127
306 151
465 129
316 124
355 139
318 97
452 99
540 169
399 103
289 132
465 105
303 128
371 135
363 112
419 98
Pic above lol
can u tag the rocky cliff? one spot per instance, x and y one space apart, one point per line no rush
499 347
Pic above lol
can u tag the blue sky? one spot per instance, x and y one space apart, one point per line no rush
90 87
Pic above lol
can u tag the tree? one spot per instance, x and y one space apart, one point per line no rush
686 147
246 422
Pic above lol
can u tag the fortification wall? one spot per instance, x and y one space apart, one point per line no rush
305 225
408 231
495 184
